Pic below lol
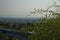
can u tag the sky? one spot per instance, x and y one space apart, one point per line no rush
21 8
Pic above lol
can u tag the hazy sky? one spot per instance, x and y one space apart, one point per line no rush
21 8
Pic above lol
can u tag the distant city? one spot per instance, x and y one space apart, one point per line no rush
18 20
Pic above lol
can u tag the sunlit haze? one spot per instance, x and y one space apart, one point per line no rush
21 8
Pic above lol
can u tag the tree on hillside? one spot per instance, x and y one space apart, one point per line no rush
47 30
